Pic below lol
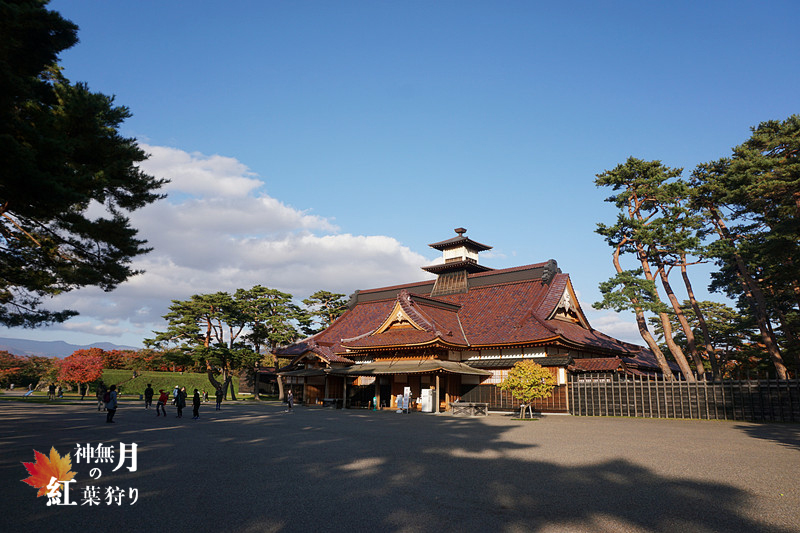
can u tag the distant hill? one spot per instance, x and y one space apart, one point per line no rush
53 348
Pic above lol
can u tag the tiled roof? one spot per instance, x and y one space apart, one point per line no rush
310 345
599 364
506 307
552 360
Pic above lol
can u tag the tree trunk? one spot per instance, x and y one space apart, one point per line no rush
674 349
210 372
687 329
701 320
641 322
754 296
280 386
666 371
229 385
256 375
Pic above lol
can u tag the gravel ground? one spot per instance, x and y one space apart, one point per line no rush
254 467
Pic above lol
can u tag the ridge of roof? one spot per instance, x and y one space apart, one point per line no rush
494 272
404 299
508 270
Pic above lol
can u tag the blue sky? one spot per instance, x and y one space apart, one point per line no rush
322 145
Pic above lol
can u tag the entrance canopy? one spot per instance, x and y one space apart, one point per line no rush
409 366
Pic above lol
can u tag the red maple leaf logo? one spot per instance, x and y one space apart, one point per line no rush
44 469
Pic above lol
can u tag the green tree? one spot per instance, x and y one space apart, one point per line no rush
751 203
643 189
225 333
528 381
725 335
62 161
627 291
325 307
36 369
206 327
271 316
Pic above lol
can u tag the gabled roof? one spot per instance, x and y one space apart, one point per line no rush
502 308
308 346
414 321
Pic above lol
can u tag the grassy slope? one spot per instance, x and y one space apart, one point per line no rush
128 385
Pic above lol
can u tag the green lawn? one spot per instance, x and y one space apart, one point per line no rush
130 387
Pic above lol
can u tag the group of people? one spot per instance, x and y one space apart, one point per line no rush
179 396
54 392
107 400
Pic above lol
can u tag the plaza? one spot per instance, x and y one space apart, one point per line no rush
254 467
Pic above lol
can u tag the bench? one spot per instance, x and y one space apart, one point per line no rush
469 409
332 403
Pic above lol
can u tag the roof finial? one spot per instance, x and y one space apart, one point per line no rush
461 231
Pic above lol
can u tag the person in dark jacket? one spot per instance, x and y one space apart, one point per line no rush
180 401
148 396
111 405
219 396
196 405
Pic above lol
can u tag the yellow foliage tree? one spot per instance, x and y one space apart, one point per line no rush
528 381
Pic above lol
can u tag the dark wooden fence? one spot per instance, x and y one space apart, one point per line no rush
615 395
500 400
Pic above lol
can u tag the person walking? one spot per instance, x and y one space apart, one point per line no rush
175 393
290 401
148 396
162 403
196 405
51 392
111 404
219 394
82 389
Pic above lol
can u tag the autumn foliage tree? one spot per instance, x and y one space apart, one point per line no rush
10 367
80 367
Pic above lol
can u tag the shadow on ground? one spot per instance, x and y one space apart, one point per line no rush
257 468
784 434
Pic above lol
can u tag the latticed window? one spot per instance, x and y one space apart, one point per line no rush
497 377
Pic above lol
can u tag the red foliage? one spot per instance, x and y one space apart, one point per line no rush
10 364
81 367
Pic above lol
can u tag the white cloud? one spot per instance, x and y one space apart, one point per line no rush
618 325
199 174
217 231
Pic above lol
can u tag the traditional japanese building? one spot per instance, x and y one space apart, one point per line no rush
452 338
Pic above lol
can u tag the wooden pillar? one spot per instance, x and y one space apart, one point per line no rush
344 395
327 393
447 394
436 399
